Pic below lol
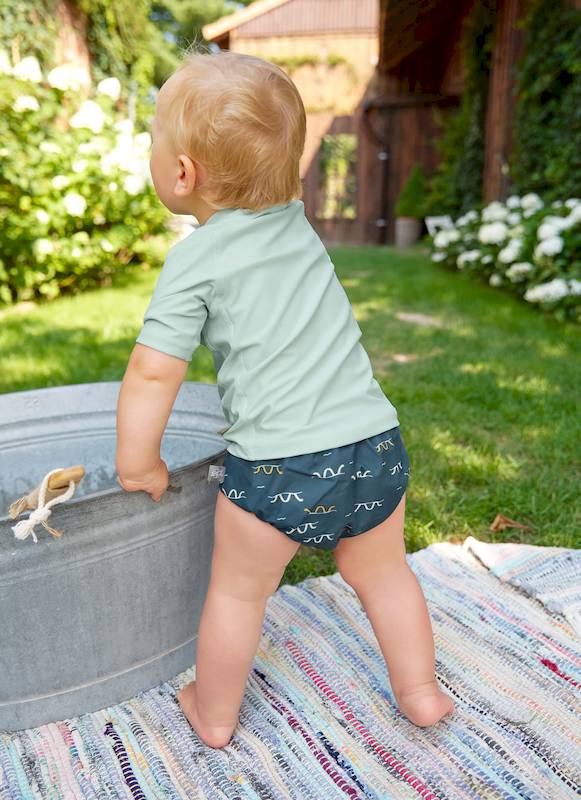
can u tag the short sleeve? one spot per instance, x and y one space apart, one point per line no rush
178 309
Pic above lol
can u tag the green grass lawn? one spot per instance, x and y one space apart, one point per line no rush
485 389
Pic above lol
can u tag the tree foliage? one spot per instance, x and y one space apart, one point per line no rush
179 23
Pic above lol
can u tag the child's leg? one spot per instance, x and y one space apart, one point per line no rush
374 565
248 561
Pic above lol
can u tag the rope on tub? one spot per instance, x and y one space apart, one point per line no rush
41 508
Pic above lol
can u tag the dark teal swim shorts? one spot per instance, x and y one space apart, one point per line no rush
318 498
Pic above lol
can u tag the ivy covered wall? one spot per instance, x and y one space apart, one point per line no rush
457 184
546 155
546 127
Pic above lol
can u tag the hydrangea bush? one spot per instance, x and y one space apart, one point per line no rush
523 245
76 199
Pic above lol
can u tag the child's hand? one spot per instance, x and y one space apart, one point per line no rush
154 483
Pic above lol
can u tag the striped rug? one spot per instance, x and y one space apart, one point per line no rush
319 719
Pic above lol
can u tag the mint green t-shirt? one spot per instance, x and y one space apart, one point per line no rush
259 290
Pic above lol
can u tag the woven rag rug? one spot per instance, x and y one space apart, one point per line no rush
319 720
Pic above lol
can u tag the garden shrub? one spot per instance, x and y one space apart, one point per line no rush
412 198
523 245
75 188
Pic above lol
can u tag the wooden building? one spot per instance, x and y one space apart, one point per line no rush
330 49
421 77
378 78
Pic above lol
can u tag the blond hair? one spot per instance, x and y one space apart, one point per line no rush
243 119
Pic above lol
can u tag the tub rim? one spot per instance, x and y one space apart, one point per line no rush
28 414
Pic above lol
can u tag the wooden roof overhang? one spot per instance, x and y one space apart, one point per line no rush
407 25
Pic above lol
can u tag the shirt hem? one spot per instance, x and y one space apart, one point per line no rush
167 350
313 444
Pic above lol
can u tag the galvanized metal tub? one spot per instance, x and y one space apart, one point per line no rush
110 608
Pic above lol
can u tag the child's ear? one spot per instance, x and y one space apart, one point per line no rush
187 176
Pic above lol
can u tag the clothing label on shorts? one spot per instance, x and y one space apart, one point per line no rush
216 473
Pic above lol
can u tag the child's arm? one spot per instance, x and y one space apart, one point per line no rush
146 397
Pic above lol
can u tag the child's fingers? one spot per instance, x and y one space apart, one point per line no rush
156 493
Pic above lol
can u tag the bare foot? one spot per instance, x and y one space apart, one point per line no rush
213 737
424 704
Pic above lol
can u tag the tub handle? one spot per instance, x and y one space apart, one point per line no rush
53 483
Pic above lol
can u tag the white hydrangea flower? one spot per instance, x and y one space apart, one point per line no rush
531 201
511 252
441 239
75 204
487 259
549 247
5 65
557 204
68 76
513 218
438 256
109 163
134 184
143 140
574 287
550 227
49 147
466 257
547 292
25 102
494 212
495 280
136 165
110 87
112 186
513 201
86 148
572 202
124 142
573 218
98 144
124 126
106 245
90 115
467 218
60 181
126 156
42 216
493 233
28 70
519 271
43 247
80 165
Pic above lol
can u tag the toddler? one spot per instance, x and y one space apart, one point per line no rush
314 451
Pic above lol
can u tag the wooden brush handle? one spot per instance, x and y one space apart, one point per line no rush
62 478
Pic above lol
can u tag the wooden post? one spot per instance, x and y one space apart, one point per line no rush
508 43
